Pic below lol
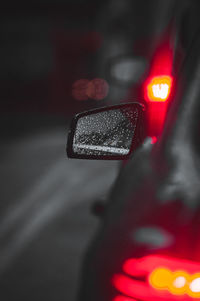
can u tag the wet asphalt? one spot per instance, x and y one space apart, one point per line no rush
46 222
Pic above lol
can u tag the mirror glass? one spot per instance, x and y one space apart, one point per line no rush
109 132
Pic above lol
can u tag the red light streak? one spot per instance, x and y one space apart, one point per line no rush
157 88
163 278
147 264
131 288
122 298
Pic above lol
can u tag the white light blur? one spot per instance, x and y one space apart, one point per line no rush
195 285
128 69
179 282
161 90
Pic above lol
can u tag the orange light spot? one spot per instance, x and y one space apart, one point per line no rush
160 278
179 283
159 88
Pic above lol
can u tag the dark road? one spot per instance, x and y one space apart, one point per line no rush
46 223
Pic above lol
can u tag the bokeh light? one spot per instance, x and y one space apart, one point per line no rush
97 89
159 88
176 282
79 89
160 278
157 277
194 286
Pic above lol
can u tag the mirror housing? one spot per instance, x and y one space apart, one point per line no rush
108 133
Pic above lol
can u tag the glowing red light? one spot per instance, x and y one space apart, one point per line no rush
153 140
132 288
79 89
158 88
147 264
158 278
122 298
97 89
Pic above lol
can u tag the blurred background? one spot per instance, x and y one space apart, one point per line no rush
58 58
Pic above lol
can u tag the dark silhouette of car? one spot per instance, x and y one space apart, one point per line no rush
147 247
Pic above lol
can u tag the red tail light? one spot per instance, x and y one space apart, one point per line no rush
158 278
157 88
122 298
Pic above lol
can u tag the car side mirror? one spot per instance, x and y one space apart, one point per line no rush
108 133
